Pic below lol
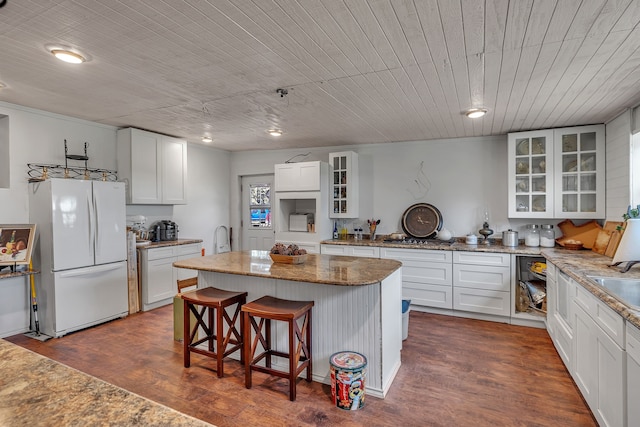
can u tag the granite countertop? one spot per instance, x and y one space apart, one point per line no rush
323 269
37 391
580 264
577 264
9 274
166 243
457 245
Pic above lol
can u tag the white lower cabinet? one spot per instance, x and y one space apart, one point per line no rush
599 361
346 250
560 291
482 283
158 276
633 375
426 276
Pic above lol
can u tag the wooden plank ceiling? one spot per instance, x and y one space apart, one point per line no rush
356 71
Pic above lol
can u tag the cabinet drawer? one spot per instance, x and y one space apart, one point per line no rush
359 251
610 321
160 253
365 251
192 248
333 249
428 295
416 255
482 258
426 272
482 277
482 301
633 342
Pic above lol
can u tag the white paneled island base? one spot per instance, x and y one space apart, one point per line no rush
365 317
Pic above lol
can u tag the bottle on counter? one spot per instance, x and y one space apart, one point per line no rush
547 236
335 230
532 238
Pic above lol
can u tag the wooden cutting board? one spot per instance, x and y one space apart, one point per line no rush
604 237
614 241
602 242
585 233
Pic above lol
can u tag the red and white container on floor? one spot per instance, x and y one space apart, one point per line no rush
348 372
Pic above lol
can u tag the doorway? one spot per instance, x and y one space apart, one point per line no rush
258 232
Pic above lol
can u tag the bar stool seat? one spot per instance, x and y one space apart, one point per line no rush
269 308
212 317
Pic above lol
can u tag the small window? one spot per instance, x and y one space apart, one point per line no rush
260 205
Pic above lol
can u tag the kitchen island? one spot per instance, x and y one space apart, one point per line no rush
358 304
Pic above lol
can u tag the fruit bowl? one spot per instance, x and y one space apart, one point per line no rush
288 259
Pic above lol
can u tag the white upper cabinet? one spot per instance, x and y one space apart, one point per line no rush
580 172
303 176
154 166
530 169
557 173
343 189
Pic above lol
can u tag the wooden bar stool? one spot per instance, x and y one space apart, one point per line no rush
212 300
267 309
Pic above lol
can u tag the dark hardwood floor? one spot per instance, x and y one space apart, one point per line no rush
455 372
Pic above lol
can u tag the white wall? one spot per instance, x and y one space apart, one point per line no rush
618 157
38 137
207 195
464 175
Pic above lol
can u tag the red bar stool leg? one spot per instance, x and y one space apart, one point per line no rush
186 332
293 360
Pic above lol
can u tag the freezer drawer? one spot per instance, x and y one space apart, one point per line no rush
87 296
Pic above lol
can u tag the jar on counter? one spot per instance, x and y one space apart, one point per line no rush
532 238
547 236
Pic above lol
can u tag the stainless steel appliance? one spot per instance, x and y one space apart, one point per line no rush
164 230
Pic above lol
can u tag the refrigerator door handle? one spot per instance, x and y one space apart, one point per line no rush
96 219
92 222
90 270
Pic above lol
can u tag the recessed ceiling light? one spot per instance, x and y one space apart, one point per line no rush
68 56
274 132
207 139
474 113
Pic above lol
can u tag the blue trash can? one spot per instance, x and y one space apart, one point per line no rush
406 307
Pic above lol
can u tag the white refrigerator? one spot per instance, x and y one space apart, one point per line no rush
81 253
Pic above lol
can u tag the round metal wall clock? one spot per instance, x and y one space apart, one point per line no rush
422 221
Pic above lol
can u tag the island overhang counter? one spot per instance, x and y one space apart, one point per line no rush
358 304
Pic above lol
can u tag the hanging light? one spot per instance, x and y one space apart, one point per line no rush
475 113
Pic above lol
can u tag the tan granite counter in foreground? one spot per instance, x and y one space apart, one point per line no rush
37 391
322 269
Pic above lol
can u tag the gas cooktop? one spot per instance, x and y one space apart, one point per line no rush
421 242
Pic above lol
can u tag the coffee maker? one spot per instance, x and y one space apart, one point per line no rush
164 230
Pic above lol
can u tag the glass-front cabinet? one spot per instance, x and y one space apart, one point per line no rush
557 173
343 191
579 188
530 168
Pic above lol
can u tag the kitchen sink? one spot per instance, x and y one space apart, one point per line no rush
626 290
